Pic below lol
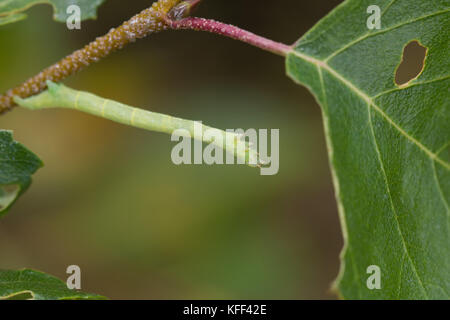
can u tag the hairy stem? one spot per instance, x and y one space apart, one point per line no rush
142 24
61 96
220 28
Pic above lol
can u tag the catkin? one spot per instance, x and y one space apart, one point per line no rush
149 21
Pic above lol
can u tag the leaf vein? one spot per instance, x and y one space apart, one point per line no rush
368 100
394 211
400 275
438 184
387 7
413 84
372 34
439 287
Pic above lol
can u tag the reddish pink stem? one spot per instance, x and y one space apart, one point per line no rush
201 24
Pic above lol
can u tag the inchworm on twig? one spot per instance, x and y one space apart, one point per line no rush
61 96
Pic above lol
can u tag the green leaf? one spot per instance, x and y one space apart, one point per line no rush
17 164
10 10
31 284
388 145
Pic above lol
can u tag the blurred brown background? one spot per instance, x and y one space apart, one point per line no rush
110 200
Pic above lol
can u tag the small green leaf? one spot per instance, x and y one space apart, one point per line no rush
388 144
35 285
17 164
10 9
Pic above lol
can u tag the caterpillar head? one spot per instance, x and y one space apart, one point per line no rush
183 9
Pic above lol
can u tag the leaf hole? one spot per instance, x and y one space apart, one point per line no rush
412 64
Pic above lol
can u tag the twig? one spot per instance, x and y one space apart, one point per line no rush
148 21
201 24
162 15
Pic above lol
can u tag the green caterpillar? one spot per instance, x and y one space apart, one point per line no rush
61 96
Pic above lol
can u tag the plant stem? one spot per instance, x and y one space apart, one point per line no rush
153 19
140 25
201 24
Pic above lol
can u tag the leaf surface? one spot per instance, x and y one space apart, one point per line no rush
388 145
10 10
17 164
31 284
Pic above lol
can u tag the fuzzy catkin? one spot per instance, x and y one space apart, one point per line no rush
148 21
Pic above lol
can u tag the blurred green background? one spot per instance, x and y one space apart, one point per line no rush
109 198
